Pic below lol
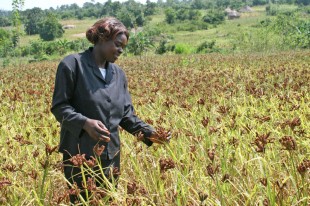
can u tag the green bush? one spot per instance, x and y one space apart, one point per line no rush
79 45
6 62
191 25
4 34
15 52
26 50
5 42
162 48
15 38
140 20
164 45
187 27
151 30
294 30
264 23
182 14
139 43
214 17
194 14
40 49
183 49
285 31
304 9
5 48
271 10
37 47
207 47
53 47
187 14
39 57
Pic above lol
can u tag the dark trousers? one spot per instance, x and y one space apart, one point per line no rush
73 174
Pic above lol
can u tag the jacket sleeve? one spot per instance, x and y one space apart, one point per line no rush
63 93
131 123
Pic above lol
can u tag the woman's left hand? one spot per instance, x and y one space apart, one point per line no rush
160 139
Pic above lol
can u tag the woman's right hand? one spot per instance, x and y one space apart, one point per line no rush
96 130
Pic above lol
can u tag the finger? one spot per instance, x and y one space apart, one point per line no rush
169 137
102 125
155 140
101 137
102 129
104 138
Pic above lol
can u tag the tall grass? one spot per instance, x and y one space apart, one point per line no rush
240 128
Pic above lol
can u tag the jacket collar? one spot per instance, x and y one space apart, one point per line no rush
92 63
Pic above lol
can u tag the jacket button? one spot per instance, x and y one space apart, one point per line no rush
109 100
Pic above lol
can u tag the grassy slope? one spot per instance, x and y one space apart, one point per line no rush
223 33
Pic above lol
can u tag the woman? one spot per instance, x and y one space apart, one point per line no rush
91 100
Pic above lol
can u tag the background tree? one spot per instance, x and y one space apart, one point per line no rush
170 15
182 14
150 8
214 17
136 10
171 3
303 2
4 21
222 3
16 8
198 4
50 28
140 20
194 14
33 17
259 2
126 17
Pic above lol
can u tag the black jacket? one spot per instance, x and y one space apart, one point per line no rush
81 92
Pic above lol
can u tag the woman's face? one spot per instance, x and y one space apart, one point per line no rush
112 49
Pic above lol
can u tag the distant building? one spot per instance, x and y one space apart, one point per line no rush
136 30
246 9
68 26
228 9
233 14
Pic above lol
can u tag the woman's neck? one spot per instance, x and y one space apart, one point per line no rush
101 62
